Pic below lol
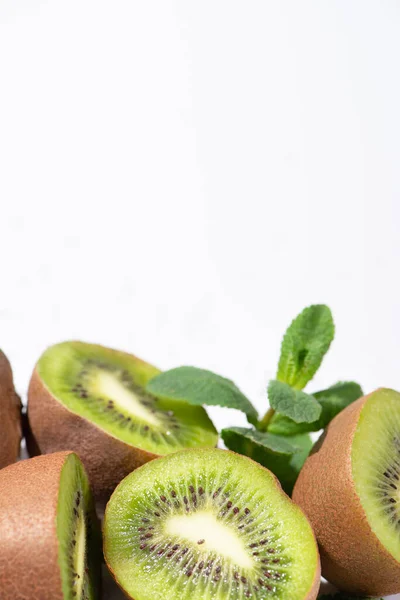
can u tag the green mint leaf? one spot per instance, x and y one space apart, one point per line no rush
283 456
281 425
304 443
304 345
332 400
238 438
297 405
200 387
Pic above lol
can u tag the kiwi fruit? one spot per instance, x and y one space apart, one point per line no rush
92 400
350 490
208 524
50 539
10 416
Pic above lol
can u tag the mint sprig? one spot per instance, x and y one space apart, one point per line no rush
280 441
201 387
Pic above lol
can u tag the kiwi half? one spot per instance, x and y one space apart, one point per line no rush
207 525
10 416
50 539
91 399
350 490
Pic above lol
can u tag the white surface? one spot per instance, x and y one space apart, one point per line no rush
179 179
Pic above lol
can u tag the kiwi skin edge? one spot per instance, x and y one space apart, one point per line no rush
352 557
53 427
10 415
315 587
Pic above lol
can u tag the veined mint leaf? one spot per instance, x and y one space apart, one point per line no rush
283 456
297 405
304 345
200 387
332 400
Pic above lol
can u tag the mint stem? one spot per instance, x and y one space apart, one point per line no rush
265 421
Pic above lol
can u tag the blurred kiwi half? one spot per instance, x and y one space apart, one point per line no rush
92 400
10 415
350 490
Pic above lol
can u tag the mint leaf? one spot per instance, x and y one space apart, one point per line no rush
304 443
335 398
200 387
297 405
332 400
238 437
283 456
281 425
304 345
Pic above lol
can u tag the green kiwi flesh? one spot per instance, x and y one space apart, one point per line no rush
375 460
208 524
78 534
106 387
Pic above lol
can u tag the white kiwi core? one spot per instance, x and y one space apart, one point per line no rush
208 533
108 385
80 555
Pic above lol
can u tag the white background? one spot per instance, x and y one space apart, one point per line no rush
178 179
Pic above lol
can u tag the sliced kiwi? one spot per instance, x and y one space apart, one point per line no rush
10 415
92 400
50 539
208 524
350 490
78 533
375 458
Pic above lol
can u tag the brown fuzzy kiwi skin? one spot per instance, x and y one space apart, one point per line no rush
352 557
53 427
315 586
10 416
29 567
